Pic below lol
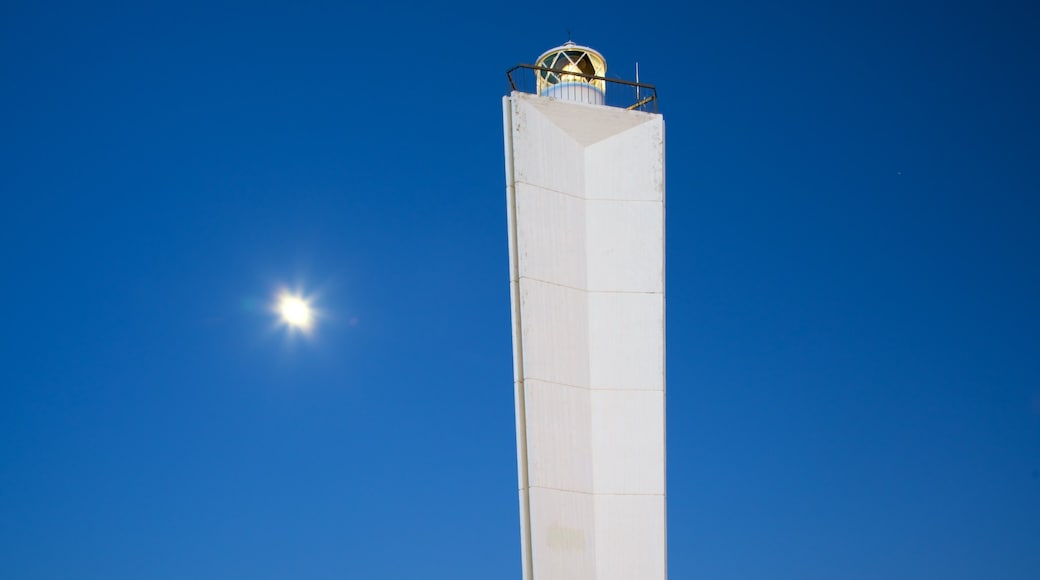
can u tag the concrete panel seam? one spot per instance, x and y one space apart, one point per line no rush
583 198
540 186
596 493
558 285
595 388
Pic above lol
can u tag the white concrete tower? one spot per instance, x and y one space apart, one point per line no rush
585 190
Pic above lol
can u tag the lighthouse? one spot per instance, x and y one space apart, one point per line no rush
585 203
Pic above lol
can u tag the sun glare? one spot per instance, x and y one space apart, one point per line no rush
295 311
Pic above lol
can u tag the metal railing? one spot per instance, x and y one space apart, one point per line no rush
620 93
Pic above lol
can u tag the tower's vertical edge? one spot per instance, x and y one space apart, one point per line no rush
518 350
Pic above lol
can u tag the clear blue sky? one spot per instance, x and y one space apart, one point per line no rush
853 286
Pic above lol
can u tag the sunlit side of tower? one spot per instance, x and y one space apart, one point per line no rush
585 190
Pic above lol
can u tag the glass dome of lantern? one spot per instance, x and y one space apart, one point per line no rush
568 73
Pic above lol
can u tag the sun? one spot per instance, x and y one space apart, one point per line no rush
295 311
